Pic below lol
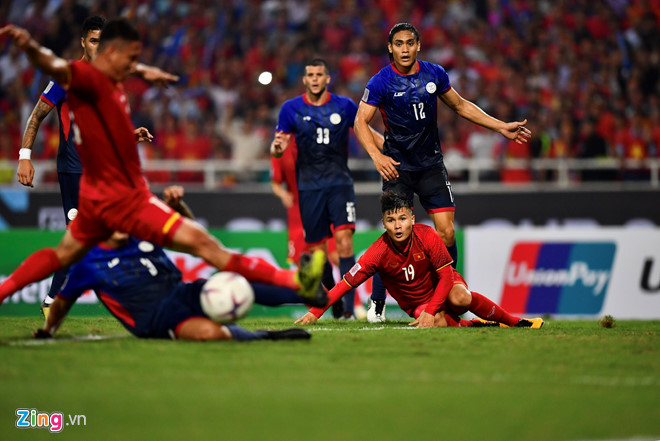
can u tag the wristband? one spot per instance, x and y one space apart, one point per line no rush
24 154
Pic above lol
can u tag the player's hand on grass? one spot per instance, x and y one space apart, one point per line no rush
307 319
41 334
25 172
142 135
426 320
279 144
516 131
385 166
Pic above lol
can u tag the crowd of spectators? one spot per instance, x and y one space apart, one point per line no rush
585 74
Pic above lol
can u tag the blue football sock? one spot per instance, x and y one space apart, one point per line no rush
453 252
241 334
271 295
328 279
58 280
345 265
377 288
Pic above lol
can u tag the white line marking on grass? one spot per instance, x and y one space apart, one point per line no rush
378 328
47 341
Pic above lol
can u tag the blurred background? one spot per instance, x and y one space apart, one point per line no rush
585 74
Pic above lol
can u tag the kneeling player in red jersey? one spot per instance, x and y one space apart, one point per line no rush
114 195
415 267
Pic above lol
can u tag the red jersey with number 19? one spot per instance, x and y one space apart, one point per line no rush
411 275
106 143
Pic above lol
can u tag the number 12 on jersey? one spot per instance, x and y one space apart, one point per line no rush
418 108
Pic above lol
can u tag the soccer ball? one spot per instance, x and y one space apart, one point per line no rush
226 297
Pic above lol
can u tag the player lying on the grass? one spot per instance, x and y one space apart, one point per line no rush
415 267
114 195
144 290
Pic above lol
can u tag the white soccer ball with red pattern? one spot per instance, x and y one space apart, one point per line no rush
226 297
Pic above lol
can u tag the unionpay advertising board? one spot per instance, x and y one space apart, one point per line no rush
567 272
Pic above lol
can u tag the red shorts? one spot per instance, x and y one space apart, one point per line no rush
140 214
458 280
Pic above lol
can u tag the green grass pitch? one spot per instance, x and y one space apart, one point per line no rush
571 380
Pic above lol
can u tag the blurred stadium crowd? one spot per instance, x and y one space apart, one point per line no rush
585 74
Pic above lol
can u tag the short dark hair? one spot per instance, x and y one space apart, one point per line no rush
92 23
402 27
118 28
391 201
318 62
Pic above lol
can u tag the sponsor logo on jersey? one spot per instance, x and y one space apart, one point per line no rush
307 118
557 277
399 94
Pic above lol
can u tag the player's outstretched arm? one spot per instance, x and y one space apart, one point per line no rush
25 172
155 75
39 56
58 312
514 131
370 142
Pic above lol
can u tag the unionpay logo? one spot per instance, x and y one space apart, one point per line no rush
557 278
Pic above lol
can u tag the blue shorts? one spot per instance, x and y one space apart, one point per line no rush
322 209
69 189
179 306
431 185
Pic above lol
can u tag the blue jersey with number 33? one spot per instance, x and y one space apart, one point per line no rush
409 106
321 135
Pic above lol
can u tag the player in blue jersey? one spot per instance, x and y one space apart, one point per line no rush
144 290
69 167
406 92
318 122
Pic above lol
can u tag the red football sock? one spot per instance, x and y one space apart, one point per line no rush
457 321
36 267
485 308
256 269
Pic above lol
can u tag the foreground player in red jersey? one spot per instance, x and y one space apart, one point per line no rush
415 267
113 192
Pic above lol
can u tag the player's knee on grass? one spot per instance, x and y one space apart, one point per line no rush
202 329
459 298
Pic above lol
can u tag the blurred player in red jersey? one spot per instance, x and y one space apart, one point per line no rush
113 192
415 267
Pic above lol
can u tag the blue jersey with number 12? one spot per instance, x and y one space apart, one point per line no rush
321 134
409 106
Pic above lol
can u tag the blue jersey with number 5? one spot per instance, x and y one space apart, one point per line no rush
409 106
321 135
